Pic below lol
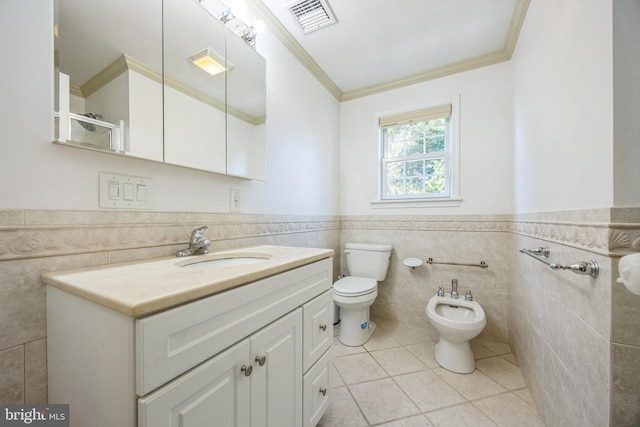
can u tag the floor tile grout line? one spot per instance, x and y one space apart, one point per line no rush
358 406
493 354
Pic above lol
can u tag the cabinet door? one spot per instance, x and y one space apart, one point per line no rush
317 390
318 328
276 385
213 394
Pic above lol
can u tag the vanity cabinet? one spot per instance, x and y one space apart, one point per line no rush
254 355
236 388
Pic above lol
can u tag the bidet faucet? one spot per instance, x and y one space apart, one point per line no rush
454 288
197 244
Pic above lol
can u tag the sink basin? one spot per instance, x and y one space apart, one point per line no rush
223 260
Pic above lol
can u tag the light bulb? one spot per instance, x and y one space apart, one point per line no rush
239 8
260 26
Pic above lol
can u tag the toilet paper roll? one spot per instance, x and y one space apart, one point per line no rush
629 268
412 262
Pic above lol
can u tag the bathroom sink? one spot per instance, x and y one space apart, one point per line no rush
223 260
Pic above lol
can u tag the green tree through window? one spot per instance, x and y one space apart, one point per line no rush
414 158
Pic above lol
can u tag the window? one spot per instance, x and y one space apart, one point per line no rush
417 155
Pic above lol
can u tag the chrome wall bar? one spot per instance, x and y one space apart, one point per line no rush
481 264
591 268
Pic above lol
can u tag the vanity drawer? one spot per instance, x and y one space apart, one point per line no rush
174 341
317 390
317 328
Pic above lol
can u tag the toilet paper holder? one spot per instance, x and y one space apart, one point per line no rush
629 268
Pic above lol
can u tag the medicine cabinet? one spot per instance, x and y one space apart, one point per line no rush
130 80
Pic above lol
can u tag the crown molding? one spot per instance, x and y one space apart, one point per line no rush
435 73
457 67
293 46
127 63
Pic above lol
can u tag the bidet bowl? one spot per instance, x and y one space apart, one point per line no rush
457 318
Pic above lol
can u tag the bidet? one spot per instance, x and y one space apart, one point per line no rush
457 322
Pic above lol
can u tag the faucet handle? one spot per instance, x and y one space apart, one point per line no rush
468 296
440 291
197 234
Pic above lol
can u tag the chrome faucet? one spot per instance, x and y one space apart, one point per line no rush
454 288
197 244
468 296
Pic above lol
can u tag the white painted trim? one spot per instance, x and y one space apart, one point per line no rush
416 203
312 66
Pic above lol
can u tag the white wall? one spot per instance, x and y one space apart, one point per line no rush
485 141
562 79
626 57
302 137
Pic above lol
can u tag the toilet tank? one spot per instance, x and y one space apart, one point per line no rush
369 260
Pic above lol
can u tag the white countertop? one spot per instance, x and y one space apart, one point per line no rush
140 288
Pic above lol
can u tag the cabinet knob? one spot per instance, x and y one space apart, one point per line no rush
247 370
323 391
323 328
261 360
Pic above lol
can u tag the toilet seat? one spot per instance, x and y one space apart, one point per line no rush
354 286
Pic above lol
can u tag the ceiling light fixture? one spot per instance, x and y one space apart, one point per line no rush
210 61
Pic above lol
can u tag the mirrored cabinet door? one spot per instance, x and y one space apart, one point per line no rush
194 87
108 59
162 80
246 109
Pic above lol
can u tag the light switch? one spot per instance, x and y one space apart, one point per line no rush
114 190
125 191
128 190
141 193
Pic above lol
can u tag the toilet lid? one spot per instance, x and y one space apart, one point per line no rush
354 286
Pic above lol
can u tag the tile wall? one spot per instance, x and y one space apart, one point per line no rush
566 329
404 295
33 242
577 339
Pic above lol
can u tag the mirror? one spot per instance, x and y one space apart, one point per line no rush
112 54
194 98
118 91
246 108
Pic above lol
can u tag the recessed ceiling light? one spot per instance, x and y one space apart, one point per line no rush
210 61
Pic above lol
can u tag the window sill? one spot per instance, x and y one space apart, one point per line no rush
417 203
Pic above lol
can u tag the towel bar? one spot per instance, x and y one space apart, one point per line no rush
481 264
591 268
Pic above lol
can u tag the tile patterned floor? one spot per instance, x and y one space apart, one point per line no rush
394 381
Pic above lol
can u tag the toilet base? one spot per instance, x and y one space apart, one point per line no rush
455 356
355 327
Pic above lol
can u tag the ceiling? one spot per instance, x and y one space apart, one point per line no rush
378 45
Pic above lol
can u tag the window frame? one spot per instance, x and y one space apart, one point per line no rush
451 157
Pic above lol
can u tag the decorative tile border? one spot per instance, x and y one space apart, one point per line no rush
588 230
53 233
41 233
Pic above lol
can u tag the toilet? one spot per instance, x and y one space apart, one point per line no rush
457 321
368 264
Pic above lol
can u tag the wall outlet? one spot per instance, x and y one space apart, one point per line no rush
234 200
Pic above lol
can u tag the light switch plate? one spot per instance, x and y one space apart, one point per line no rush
125 191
